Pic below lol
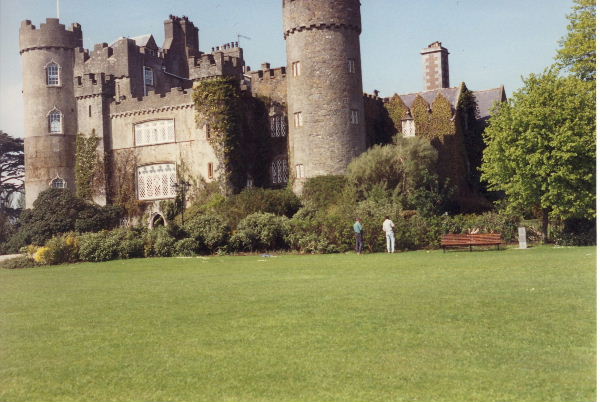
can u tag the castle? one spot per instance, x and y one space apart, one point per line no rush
137 98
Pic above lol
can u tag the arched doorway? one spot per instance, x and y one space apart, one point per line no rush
156 221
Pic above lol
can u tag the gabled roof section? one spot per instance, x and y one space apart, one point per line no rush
486 100
146 40
452 94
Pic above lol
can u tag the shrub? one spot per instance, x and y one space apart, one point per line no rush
187 247
94 218
59 250
159 243
252 200
97 247
260 231
19 263
576 232
323 191
209 230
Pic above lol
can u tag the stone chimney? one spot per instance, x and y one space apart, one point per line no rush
436 72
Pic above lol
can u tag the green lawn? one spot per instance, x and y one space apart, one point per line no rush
514 325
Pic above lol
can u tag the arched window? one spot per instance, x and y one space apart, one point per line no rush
58 183
52 74
279 171
55 121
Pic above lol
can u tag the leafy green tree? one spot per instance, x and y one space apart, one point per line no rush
577 52
541 148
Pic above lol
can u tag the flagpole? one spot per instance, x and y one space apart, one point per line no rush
58 9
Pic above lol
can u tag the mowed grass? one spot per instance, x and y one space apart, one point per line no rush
514 325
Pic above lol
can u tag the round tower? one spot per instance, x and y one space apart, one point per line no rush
48 57
324 79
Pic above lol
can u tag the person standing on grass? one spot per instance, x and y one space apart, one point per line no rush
388 228
358 232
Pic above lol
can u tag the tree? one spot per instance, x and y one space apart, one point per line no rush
541 148
577 52
12 170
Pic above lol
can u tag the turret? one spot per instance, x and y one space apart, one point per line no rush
50 109
324 82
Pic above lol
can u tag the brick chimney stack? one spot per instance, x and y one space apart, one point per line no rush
435 66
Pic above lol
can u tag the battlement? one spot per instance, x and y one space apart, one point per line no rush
321 14
223 61
268 73
176 97
94 84
49 34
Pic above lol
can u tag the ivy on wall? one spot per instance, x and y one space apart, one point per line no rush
89 169
397 111
123 185
422 117
217 102
472 131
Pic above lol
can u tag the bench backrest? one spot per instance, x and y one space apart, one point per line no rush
475 238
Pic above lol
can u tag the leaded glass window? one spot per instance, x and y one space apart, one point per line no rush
155 132
156 182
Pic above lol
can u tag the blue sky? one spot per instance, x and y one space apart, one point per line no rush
491 42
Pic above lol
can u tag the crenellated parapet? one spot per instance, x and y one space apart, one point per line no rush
51 34
223 61
321 15
176 98
91 84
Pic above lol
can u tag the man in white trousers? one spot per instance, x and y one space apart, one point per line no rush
388 228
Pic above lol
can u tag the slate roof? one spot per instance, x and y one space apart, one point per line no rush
452 94
487 98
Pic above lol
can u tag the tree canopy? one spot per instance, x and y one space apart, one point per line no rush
577 52
12 169
541 148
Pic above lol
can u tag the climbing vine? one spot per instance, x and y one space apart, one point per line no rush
422 117
217 102
89 169
397 111
123 186
442 122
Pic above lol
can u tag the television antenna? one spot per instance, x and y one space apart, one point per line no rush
239 36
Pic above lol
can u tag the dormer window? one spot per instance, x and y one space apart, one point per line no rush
52 74
55 122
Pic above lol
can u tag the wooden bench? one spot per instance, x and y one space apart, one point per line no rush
470 240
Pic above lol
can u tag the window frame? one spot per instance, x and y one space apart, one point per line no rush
351 66
298 120
51 127
170 176
58 180
354 116
48 68
296 69
280 171
170 135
